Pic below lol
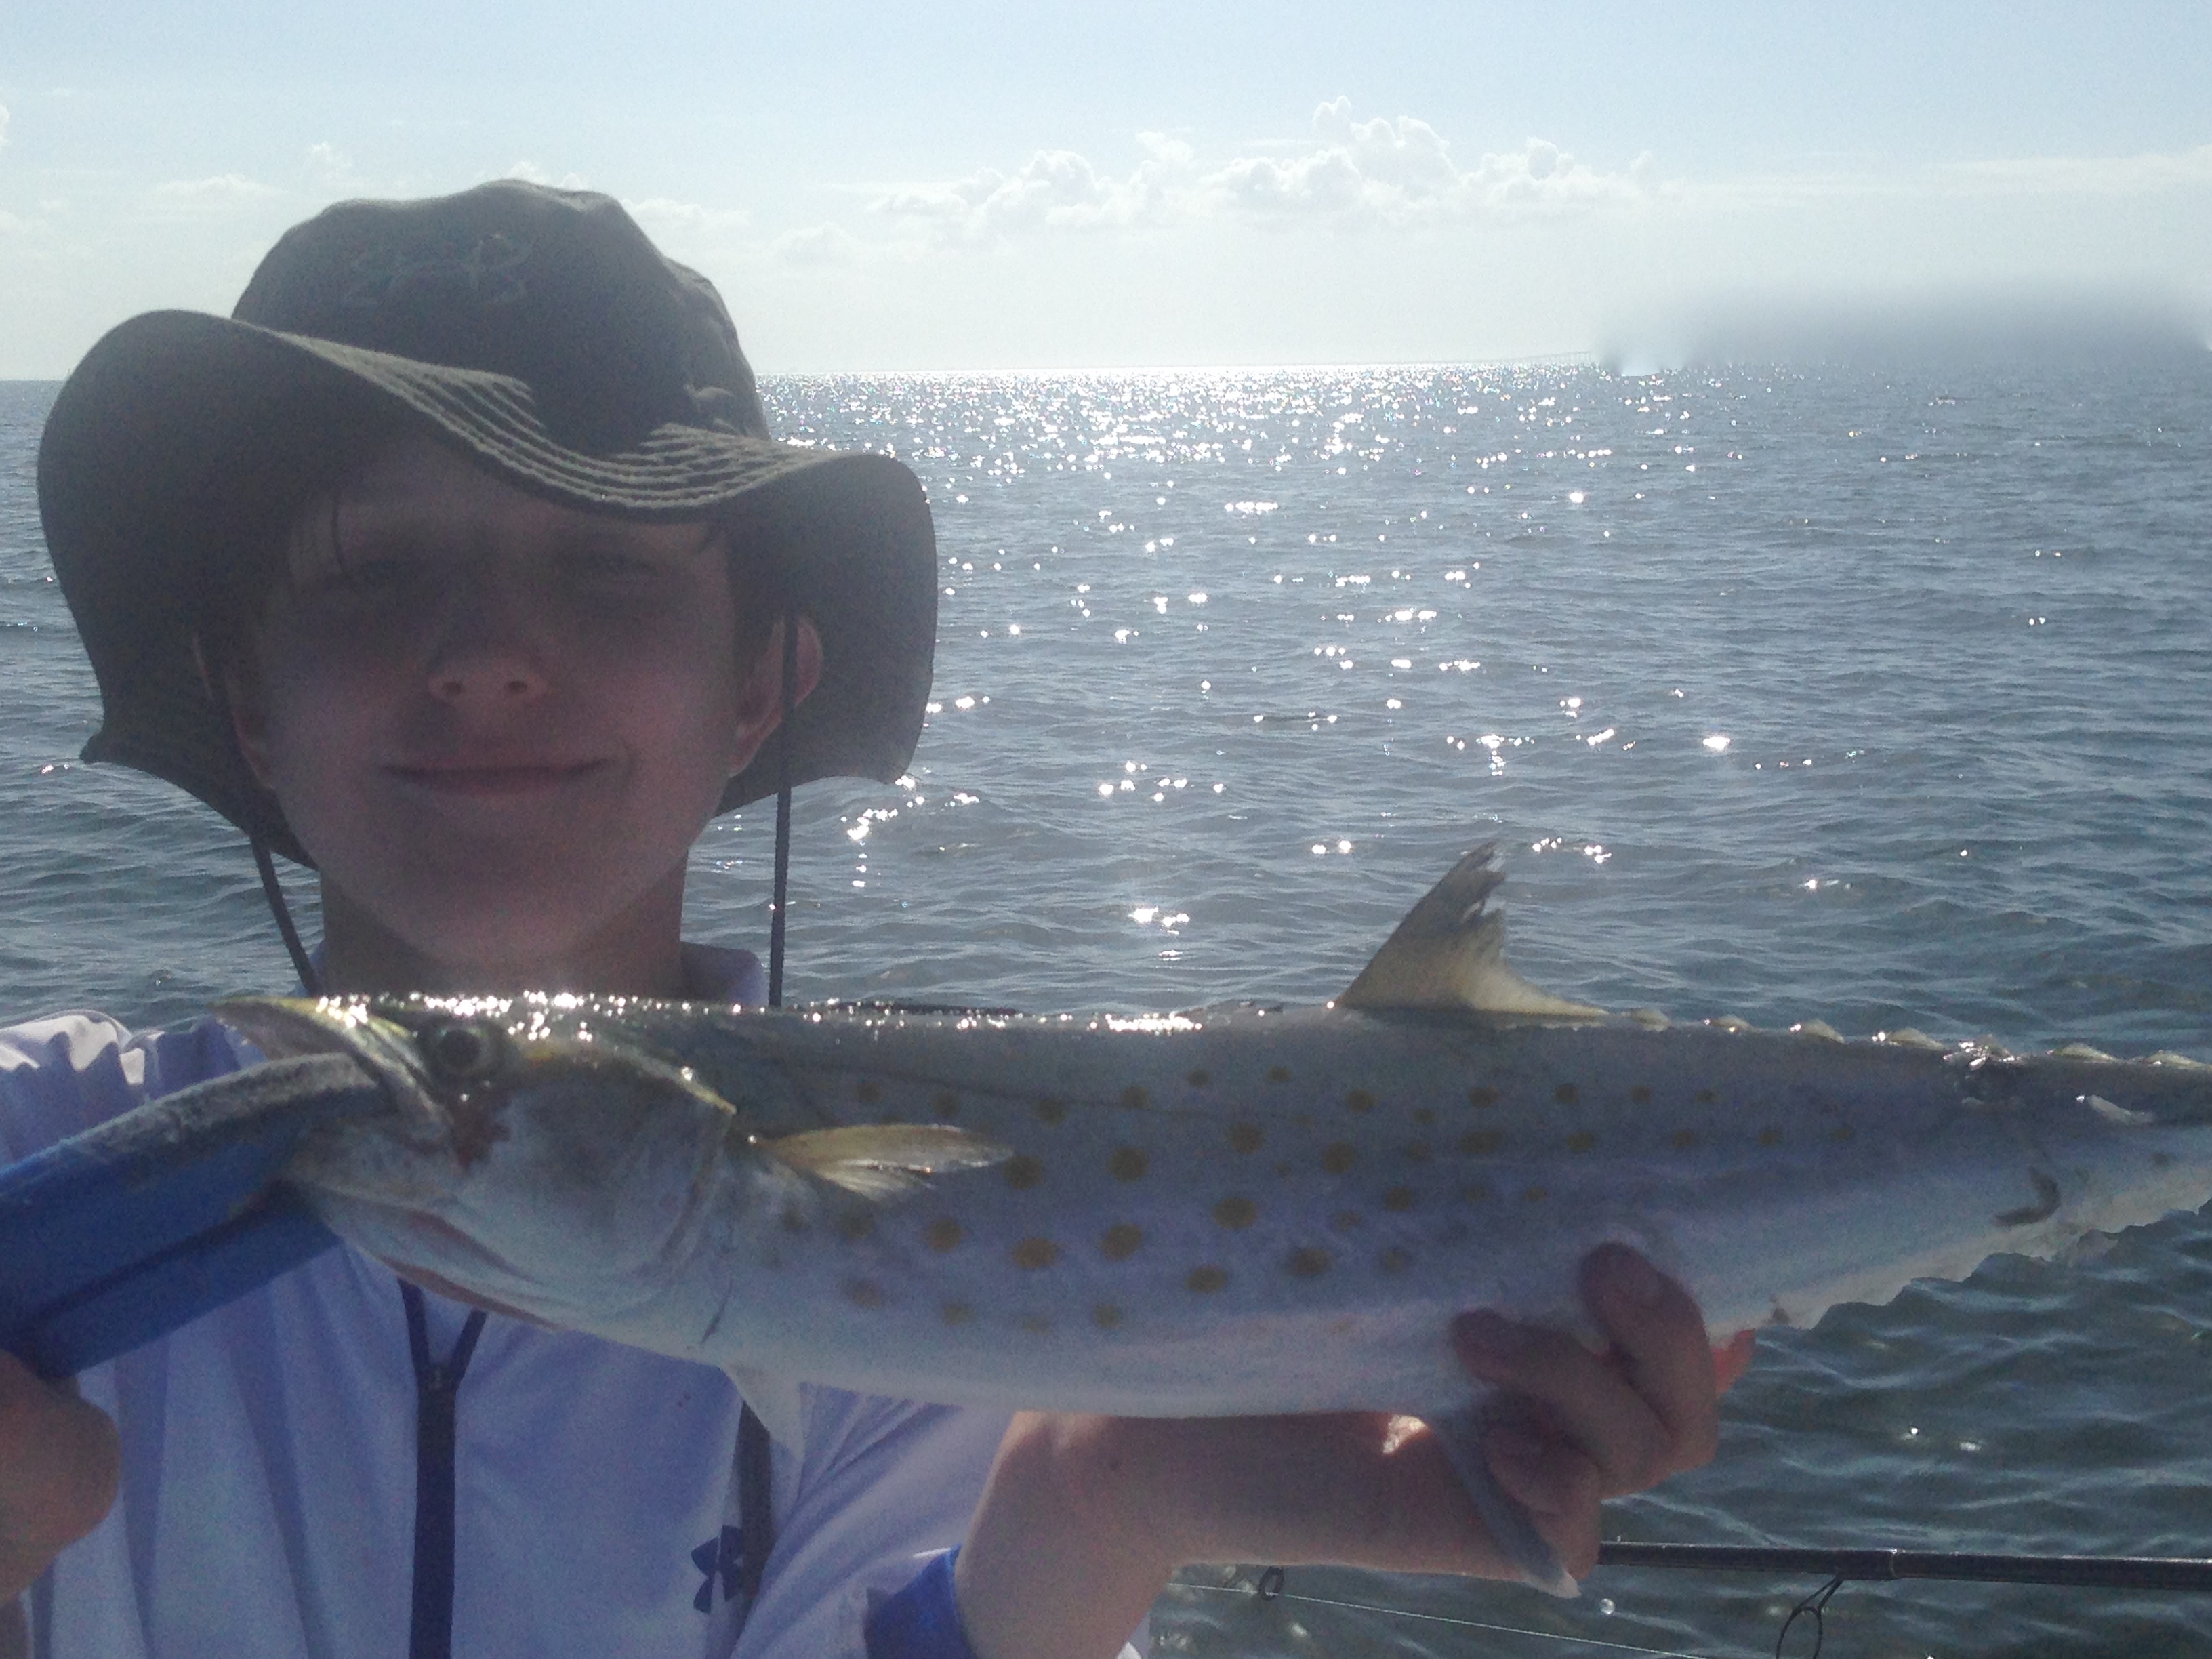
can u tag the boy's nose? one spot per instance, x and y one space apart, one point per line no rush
486 651
485 675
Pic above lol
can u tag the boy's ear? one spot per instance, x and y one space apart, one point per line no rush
238 695
760 700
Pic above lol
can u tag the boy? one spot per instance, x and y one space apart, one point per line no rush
461 564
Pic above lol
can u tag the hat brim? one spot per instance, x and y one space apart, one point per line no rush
179 426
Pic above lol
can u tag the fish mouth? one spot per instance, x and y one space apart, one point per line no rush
285 1027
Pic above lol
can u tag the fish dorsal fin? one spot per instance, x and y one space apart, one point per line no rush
1450 953
885 1160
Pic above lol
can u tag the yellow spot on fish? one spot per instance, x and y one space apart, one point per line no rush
945 1103
1425 1116
1307 1262
1129 1162
1279 1074
1480 1143
1398 1198
1106 1316
1360 1101
1841 1133
1032 1254
1035 1324
1684 1139
1477 1192
1533 1195
1119 1242
867 1091
1641 1094
1024 1172
1706 1096
944 1234
1049 1110
794 1222
1565 1094
1204 1280
1236 1214
864 1293
1769 1137
1482 1095
1581 1141
855 1225
955 1313
1396 1259
1245 1137
1345 1221
1338 1156
1201 1078
1135 1098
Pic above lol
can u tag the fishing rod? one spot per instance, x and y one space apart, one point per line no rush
2151 1572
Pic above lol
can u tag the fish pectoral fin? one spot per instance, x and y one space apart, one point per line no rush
1449 952
885 1160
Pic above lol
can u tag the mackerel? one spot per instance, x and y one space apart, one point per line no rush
1229 1211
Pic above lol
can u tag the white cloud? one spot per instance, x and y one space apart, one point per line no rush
818 247
3 126
1054 190
530 173
328 166
1396 172
663 216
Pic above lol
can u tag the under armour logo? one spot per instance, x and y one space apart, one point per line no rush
487 269
722 1556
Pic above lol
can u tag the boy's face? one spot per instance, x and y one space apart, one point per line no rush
498 723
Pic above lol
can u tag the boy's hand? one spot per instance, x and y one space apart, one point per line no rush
59 1462
1084 1517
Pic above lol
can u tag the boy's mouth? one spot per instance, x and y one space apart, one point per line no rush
520 778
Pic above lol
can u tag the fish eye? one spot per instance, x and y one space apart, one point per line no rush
463 1051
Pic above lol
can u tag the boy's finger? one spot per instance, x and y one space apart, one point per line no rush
1560 1489
1661 1348
1570 1394
59 1462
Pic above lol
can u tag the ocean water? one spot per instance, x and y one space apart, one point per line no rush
1883 696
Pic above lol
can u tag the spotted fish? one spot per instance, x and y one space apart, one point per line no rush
1234 1210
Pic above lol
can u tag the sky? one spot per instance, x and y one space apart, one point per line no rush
968 185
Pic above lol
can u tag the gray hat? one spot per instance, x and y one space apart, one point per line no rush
540 333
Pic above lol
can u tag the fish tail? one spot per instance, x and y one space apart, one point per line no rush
1460 1433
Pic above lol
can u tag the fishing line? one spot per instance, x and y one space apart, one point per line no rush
1278 1593
1815 1606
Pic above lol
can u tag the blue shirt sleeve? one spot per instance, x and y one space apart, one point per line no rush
921 1621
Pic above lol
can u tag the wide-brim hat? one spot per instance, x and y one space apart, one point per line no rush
540 333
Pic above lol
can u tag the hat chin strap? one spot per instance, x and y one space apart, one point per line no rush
273 890
776 927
